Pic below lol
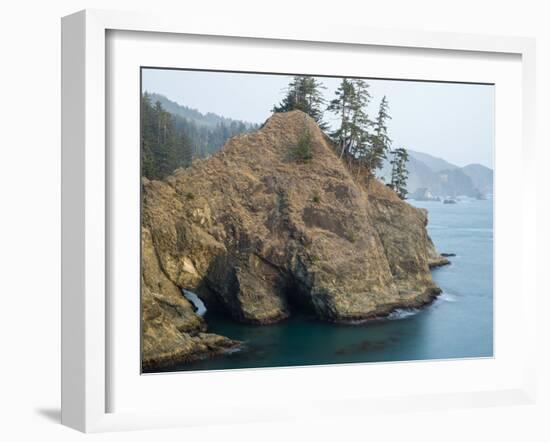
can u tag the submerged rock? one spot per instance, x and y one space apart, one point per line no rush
252 232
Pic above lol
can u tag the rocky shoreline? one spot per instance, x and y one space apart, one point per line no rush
253 233
208 345
440 262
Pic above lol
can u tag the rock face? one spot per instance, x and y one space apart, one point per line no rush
256 234
171 331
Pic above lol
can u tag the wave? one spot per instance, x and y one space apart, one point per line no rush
447 297
230 351
402 313
200 308
475 229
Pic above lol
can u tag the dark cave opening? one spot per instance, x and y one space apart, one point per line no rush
298 297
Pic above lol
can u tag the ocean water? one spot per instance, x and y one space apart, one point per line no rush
459 324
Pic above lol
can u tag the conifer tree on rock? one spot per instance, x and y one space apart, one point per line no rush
304 93
380 142
350 106
399 172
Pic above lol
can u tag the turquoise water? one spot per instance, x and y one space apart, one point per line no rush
458 324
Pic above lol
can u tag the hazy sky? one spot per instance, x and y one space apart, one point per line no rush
451 121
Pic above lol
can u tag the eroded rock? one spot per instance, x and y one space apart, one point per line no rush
253 232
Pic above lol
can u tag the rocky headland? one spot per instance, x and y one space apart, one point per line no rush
257 234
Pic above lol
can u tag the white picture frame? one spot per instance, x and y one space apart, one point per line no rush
85 209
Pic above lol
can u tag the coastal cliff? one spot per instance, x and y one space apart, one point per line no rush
257 234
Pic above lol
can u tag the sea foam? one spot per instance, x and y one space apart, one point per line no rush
402 313
200 308
447 297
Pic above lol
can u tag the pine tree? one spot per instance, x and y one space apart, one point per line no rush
302 152
164 147
360 122
399 172
148 166
379 143
304 93
170 141
341 106
350 106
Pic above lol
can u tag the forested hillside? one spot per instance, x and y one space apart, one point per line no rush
208 119
170 140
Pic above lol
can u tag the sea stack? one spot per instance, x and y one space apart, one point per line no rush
257 234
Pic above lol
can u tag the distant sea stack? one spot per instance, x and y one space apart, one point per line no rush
431 178
257 235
